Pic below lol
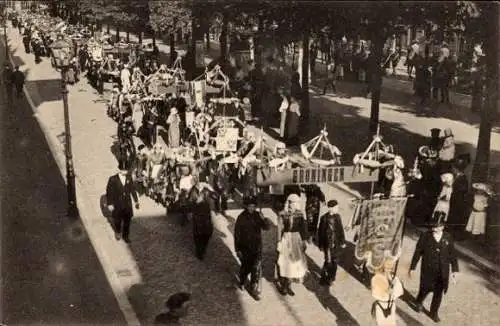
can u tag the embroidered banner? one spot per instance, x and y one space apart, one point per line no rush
381 230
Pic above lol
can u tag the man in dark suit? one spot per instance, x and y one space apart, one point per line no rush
437 251
119 194
331 239
202 209
248 245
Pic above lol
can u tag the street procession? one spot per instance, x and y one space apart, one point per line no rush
192 135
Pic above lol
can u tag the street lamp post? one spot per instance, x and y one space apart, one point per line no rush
61 51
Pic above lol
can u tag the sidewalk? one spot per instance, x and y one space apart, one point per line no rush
162 251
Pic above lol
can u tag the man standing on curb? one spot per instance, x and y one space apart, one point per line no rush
119 193
7 80
18 80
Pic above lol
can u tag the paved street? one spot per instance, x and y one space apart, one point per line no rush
160 259
50 272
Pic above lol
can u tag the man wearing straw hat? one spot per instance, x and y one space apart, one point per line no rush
437 251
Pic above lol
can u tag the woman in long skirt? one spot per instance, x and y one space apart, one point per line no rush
173 122
137 115
386 288
292 235
292 123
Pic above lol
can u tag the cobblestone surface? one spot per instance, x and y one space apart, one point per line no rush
163 251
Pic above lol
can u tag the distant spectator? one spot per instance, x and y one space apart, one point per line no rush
7 79
18 80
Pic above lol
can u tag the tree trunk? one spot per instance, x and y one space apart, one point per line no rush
117 34
207 35
481 164
224 36
108 28
258 41
171 43
128 36
305 76
154 39
375 74
140 36
489 110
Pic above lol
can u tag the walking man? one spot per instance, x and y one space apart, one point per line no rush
331 239
437 251
202 208
7 80
248 245
330 79
18 80
119 194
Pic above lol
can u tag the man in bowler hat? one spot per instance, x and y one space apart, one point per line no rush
331 239
436 248
119 194
248 245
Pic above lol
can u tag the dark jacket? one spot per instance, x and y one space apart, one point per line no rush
248 232
436 260
201 203
18 78
120 196
459 202
330 233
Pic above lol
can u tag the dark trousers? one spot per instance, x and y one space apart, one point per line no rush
19 90
329 82
27 48
437 297
151 128
445 93
251 264
121 223
329 270
201 244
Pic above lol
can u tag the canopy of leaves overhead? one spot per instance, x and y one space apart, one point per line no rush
168 16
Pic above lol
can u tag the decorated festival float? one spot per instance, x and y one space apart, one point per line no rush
201 133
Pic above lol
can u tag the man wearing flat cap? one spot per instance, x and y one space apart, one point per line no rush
437 251
248 245
331 239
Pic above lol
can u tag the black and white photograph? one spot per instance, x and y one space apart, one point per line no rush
249 163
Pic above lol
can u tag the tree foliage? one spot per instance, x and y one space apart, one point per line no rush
169 16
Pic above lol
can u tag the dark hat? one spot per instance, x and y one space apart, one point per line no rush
332 203
123 165
250 201
177 300
437 219
462 161
435 132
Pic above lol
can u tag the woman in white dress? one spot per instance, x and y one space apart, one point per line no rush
292 235
443 203
386 288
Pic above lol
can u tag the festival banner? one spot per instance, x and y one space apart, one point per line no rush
227 140
381 230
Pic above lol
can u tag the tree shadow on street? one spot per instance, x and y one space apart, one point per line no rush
328 301
164 253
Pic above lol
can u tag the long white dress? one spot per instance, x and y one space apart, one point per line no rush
386 302
477 219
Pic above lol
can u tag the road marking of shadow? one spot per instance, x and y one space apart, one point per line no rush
119 291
